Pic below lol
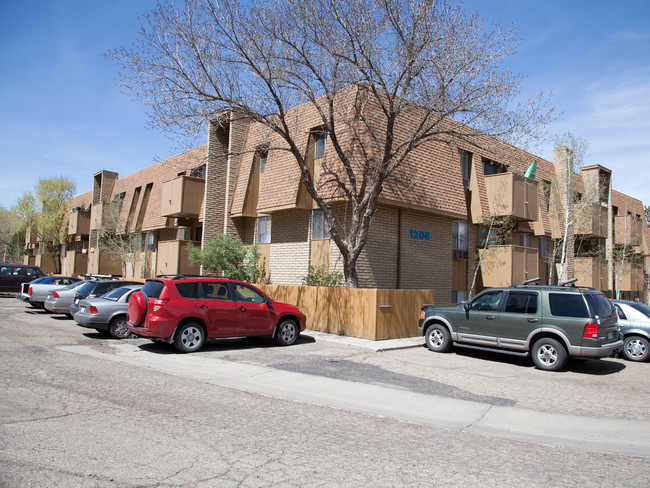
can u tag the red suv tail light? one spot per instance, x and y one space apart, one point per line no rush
29 292
591 331
93 309
158 303
55 295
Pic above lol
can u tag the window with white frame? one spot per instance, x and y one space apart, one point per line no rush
459 235
263 230
150 243
319 230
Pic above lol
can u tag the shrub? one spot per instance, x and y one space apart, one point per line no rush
318 276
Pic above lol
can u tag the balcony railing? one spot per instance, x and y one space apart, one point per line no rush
508 265
182 197
172 257
79 223
632 279
628 230
512 195
592 222
75 262
591 271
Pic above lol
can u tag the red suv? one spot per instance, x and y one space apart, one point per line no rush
189 310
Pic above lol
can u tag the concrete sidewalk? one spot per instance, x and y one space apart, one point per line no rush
385 345
575 432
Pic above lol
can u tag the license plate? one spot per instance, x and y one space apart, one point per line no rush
610 335
83 309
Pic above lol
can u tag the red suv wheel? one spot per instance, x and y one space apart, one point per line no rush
137 308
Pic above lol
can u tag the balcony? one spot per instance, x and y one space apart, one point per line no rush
75 262
627 230
592 222
591 272
632 278
508 265
79 223
512 195
182 197
172 257
104 264
97 216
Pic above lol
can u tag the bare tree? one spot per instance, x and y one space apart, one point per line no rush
410 63
117 239
569 204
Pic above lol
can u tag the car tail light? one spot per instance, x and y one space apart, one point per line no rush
55 295
29 291
93 309
591 331
158 303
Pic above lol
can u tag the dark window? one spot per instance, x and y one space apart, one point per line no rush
465 158
116 293
84 290
519 302
600 305
263 157
153 289
318 226
320 138
567 305
619 311
188 290
492 168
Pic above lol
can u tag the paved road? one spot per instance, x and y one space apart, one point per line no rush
81 410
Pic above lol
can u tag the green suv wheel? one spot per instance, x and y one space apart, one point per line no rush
438 338
548 354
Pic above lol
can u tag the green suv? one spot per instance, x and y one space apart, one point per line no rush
550 323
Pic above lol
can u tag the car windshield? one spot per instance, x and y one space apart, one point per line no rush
644 309
114 295
38 280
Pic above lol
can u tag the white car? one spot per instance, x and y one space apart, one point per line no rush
634 320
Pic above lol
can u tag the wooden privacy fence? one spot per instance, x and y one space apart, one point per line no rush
367 313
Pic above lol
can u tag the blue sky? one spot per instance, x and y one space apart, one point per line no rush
62 114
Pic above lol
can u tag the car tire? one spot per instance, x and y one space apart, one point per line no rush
189 337
117 328
286 333
636 348
548 354
437 338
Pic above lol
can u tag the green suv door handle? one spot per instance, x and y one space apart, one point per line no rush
533 320
490 317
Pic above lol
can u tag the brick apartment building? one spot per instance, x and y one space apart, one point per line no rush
428 234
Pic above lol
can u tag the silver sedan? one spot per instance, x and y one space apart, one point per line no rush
108 312
58 301
634 319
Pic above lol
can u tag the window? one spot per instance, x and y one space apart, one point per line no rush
198 233
524 240
459 235
150 243
247 294
215 291
263 230
488 302
319 230
188 290
263 156
619 311
492 167
487 236
566 305
520 302
320 137
458 296
542 246
465 158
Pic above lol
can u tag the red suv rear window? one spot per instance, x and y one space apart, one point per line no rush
153 289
